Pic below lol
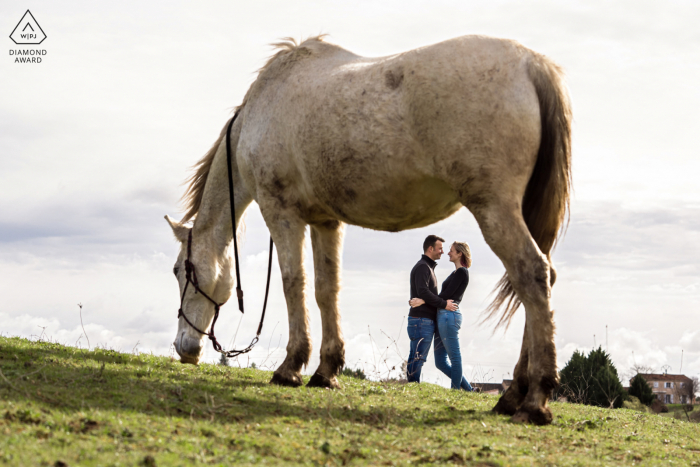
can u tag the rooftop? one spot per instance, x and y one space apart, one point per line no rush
664 377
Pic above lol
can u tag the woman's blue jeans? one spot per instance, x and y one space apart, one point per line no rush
447 345
420 331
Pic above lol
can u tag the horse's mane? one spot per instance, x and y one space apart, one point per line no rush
192 199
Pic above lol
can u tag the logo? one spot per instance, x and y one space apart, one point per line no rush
28 31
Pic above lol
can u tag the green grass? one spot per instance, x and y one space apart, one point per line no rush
677 407
105 408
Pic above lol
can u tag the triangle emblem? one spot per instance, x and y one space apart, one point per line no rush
28 31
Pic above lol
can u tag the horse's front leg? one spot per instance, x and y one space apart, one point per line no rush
327 240
287 232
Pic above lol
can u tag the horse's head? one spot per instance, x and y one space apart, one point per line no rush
210 274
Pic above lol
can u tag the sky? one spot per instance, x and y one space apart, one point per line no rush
97 140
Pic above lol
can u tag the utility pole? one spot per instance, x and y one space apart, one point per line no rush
681 370
606 338
593 341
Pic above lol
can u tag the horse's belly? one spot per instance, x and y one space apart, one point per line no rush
390 205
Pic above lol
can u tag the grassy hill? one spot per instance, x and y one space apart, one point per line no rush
65 406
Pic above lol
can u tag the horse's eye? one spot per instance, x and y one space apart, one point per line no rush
176 270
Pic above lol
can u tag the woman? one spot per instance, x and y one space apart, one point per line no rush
449 322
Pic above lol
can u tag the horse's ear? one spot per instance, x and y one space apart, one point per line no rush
179 230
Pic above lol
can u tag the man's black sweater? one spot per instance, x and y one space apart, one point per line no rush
424 285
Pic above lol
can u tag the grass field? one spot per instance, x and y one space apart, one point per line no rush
65 406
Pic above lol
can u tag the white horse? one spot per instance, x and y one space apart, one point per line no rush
325 137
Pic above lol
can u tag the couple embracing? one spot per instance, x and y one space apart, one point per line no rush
436 316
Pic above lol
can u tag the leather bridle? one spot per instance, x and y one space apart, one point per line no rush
191 274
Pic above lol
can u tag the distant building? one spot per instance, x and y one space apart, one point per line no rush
506 383
493 388
489 388
496 389
670 389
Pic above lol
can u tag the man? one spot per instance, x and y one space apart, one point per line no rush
421 319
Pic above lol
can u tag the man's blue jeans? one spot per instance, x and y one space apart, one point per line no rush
420 331
447 345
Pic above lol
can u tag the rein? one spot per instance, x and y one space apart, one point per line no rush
191 274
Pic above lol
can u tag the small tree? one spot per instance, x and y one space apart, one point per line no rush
357 373
692 389
640 389
223 360
591 380
685 391
643 369
574 380
639 368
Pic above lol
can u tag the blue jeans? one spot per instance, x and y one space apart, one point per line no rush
447 344
420 331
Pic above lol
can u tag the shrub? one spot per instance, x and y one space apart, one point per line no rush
640 389
591 380
695 416
658 407
358 373
634 403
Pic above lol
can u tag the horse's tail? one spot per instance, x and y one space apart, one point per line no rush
547 196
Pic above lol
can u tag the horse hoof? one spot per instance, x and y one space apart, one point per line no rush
286 380
504 407
320 381
538 416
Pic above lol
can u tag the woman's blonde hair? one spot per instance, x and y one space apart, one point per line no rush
466 259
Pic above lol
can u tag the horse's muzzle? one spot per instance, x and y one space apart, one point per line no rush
189 350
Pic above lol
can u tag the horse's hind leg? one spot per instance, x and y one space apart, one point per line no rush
529 273
288 234
513 398
327 239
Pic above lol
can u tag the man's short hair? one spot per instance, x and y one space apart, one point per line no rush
430 240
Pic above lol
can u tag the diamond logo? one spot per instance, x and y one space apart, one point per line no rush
28 31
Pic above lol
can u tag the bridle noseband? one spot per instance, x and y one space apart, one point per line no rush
191 278
191 274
